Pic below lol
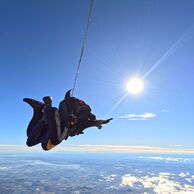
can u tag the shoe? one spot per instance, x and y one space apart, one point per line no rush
48 101
34 103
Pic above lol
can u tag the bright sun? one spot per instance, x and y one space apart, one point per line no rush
134 86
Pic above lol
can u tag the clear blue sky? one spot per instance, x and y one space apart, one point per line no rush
40 42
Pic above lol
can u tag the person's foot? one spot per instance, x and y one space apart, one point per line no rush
48 101
47 106
34 103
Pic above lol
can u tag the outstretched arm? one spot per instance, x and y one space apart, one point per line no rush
89 123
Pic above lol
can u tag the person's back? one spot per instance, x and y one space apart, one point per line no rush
74 107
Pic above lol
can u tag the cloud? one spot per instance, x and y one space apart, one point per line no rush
189 180
178 145
152 157
144 116
136 149
26 163
108 178
182 174
168 158
3 168
97 148
161 183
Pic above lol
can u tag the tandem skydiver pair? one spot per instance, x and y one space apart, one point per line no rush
50 125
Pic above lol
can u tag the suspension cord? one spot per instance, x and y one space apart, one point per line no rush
83 46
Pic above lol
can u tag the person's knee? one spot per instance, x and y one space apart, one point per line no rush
44 147
29 143
55 140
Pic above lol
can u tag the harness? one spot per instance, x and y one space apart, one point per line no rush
73 118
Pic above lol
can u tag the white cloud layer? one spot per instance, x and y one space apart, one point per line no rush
98 148
108 178
144 116
168 158
177 145
182 174
40 163
160 184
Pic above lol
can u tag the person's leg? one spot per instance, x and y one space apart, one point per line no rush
37 116
45 140
56 133
36 127
37 133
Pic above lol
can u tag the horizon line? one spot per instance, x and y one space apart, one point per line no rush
171 149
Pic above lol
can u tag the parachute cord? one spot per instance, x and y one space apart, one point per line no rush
83 46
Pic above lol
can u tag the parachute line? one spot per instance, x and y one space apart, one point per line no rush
83 46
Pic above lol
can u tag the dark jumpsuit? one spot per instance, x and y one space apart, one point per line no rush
48 134
82 113
58 128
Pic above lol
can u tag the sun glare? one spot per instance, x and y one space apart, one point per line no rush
134 86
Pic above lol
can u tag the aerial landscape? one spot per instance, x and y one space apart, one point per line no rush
96 173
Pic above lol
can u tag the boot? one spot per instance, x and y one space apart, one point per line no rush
48 105
48 101
34 103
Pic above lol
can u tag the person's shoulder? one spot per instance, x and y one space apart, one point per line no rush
77 100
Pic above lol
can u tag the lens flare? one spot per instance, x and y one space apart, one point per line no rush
134 86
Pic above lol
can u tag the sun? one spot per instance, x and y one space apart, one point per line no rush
135 86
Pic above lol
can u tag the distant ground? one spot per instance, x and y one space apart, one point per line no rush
96 173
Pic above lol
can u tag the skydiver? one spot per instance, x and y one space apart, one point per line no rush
49 126
45 125
79 113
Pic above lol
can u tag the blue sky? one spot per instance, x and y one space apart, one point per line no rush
40 43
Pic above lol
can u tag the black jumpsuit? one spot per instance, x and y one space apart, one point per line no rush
48 134
57 127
